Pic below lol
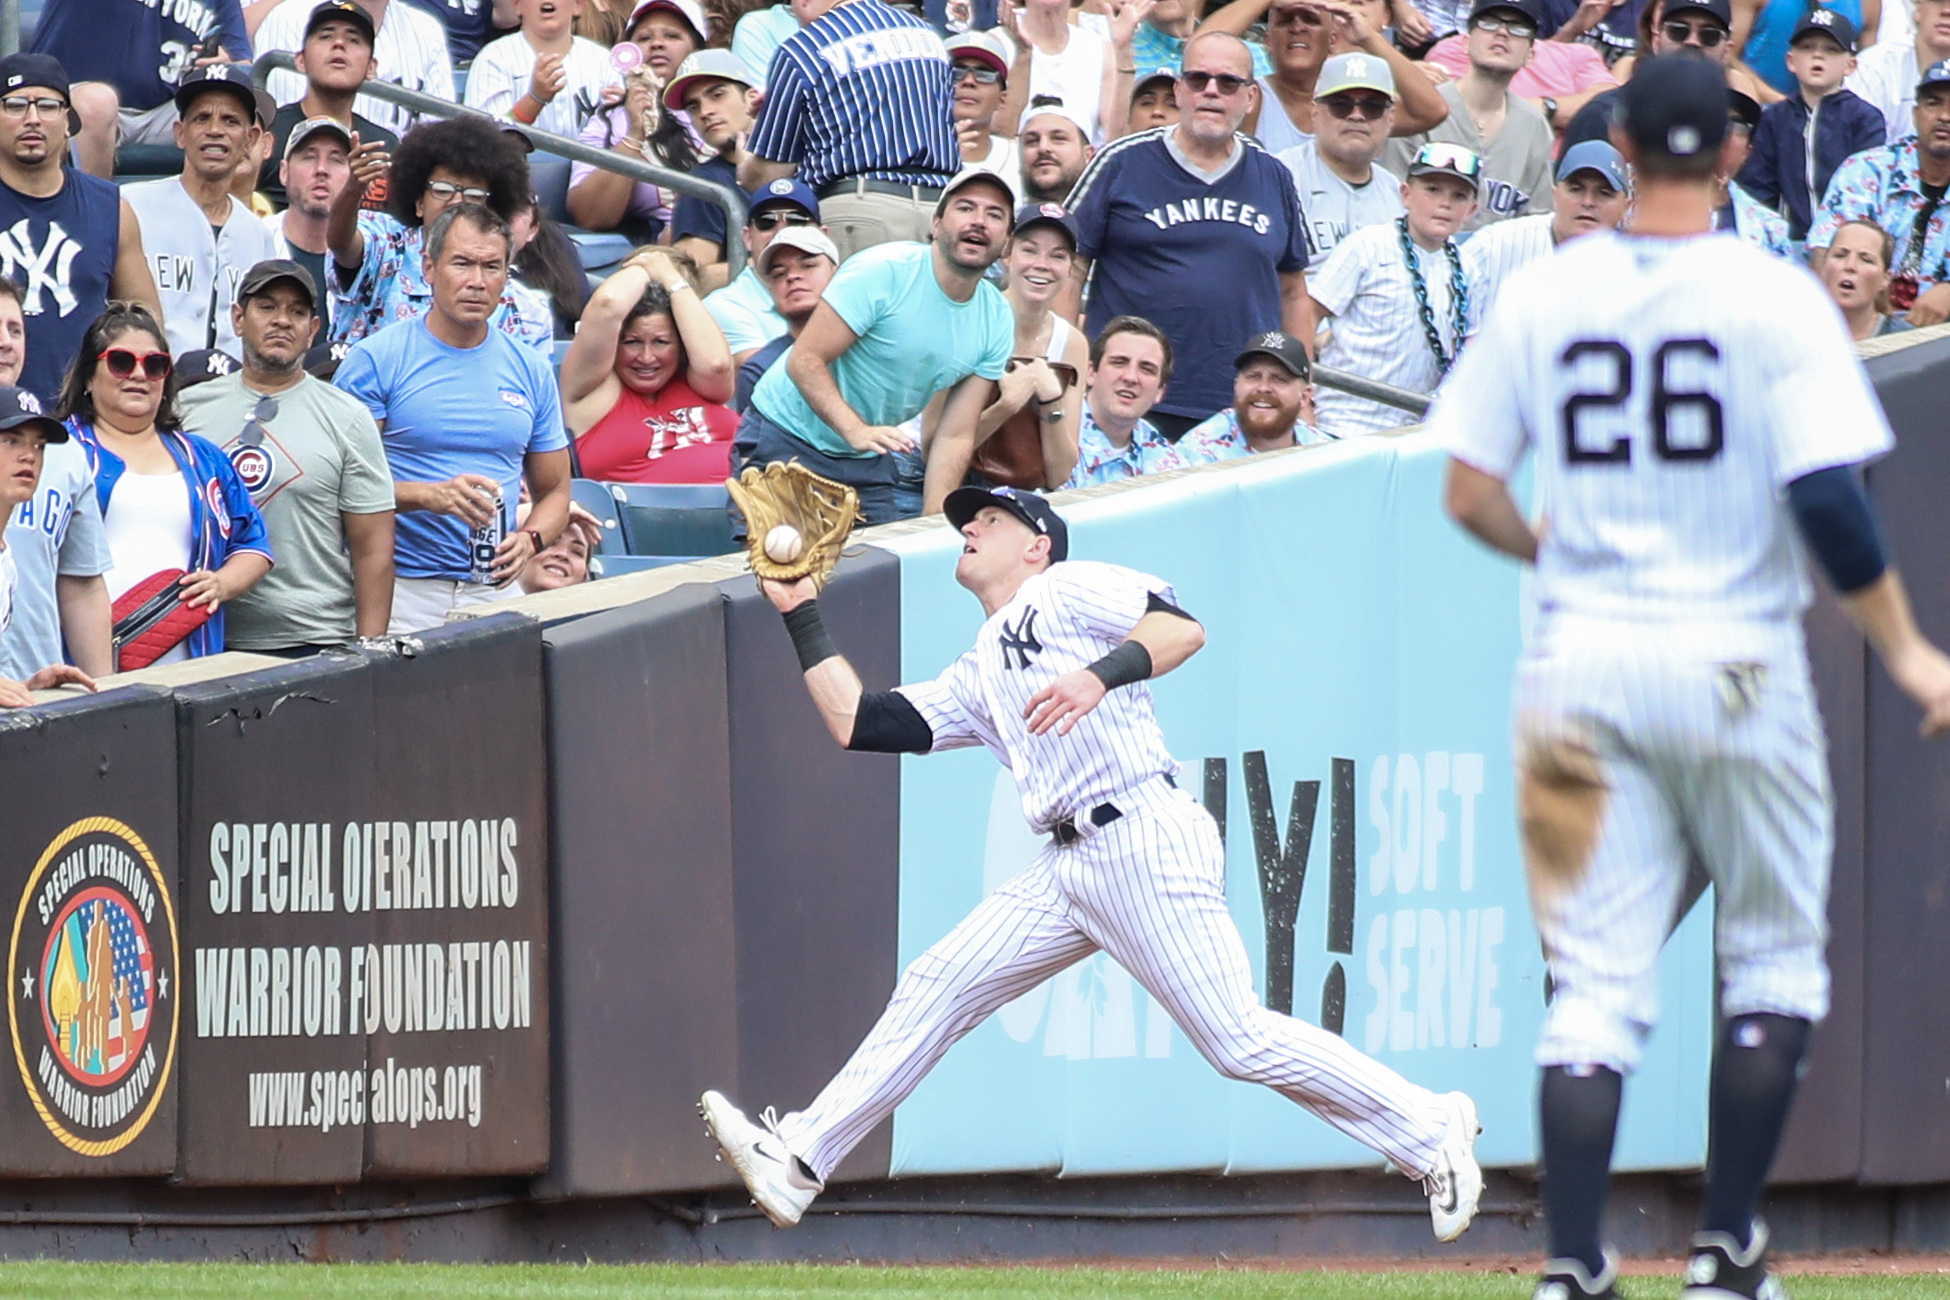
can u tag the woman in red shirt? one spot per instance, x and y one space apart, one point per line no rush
645 382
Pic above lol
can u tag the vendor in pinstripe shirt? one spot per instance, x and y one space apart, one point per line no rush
857 107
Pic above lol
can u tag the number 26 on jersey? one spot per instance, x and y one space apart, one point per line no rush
1682 421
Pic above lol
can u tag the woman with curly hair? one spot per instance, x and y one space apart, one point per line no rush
377 256
170 501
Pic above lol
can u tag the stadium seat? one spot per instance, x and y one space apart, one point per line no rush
595 498
599 249
549 174
615 566
674 519
143 162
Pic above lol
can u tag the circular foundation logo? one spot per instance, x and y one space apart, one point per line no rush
92 982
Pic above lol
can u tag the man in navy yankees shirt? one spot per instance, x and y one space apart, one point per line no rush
1197 228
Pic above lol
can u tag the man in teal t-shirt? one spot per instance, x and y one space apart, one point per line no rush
899 323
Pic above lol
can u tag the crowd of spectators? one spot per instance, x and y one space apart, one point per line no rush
332 378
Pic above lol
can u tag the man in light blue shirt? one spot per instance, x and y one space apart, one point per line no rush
464 412
1272 404
1130 364
744 309
898 324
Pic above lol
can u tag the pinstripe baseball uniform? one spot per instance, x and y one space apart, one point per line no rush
1377 329
1145 882
1496 253
1669 391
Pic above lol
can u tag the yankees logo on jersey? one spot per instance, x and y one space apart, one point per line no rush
1020 640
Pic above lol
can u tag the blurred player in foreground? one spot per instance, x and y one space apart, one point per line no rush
1693 405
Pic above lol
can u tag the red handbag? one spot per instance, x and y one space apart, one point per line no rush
151 619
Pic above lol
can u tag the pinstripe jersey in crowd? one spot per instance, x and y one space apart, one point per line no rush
1063 619
1377 327
863 91
1669 389
410 51
1496 252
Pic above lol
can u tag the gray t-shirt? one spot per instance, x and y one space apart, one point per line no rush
56 531
319 457
1516 166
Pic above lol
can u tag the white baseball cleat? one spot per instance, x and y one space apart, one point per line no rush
1455 1185
772 1174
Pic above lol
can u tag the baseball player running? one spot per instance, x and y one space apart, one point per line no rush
1057 687
1697 416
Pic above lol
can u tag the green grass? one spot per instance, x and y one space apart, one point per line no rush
789 1282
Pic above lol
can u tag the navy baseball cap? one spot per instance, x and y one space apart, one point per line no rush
322 361
1743 110
1675 106
1169 75
1720 11
1937 74
1531 9
342 11
963 504
785 190
1046 214
19 408
203 365
234 79
1835 26
44 70
1594 156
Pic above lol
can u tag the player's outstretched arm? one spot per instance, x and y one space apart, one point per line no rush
1482 503
830 679
1922 671
1159 642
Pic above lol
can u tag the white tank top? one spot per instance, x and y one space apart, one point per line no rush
1059 338
1075 76
148 526
1276 130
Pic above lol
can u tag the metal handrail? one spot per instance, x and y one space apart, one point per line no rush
427 105
1402 399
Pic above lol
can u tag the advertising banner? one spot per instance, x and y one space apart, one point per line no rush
1348 724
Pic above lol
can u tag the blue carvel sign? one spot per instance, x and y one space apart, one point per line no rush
1349 721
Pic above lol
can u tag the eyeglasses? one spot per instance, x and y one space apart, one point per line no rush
1521 28
447 190
1225 82
1359 108
980 76
122 363
17 105
253 434
773 220
1708 34
1451 158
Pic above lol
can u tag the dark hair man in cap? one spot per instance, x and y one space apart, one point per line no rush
127 58
81 243
898 324
1057 687
409 48
335 59
1512 136
1692 406
1272 404
199 236
25 434
1901 187
1703 28
315 467
317 164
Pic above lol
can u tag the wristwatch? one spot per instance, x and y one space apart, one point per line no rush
1053 417
1550 110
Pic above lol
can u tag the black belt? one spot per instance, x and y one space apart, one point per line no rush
1066 831
868 185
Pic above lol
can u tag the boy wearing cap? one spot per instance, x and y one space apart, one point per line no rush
1803 139
1398 295
1272 405
1591 194
409 48
544 75
312 460
335 59
720 94
200 237
981 79
1509 134
25 434
1341 189
744 308
1901 187
900 323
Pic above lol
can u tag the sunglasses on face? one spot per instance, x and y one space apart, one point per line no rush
253 434
122 363
1521 28
773 220
447 190
1224 82
1360 108
980 76
1707 34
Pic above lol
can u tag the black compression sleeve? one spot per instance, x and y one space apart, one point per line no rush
809 637
1839 525
1130 662
888 723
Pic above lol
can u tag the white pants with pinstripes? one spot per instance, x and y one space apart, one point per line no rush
1148 889
1703 745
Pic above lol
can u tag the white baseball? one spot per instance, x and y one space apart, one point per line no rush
783 544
